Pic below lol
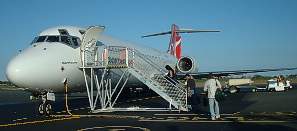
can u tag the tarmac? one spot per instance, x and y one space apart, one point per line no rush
241 111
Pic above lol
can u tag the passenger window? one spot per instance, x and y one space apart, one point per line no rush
52 39
41 39
75 42
66 40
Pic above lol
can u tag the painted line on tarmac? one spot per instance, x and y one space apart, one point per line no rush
115 127
128 101
160 118
108 116
38 122
216 121
169 114
155 97
199 118
234 117
227 114
20 119
141 99
189 114
176 114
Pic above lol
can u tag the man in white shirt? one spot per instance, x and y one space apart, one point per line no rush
211 85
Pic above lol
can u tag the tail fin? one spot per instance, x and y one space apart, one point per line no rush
174 47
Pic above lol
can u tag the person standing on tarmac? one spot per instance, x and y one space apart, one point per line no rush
211 85
190 86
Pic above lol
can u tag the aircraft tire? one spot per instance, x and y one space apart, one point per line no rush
48 109
41 109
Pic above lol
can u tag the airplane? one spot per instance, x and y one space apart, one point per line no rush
54 58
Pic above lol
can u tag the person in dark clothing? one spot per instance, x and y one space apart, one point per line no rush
193 97
190 83
171 75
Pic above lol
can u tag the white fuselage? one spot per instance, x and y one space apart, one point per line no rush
45 65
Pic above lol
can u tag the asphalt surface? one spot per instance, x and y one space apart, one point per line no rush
241 111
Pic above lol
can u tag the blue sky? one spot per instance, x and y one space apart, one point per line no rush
255 33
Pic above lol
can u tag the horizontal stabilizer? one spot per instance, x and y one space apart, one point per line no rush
180 31
156 34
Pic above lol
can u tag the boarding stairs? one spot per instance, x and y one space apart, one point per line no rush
99 60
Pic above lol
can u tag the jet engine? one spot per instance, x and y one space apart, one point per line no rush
187 65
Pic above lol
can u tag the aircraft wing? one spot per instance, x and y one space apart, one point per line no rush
200 75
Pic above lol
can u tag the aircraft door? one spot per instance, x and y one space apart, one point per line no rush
88 48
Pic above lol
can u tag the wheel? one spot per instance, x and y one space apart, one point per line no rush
41 109
48 109
254 90
45 109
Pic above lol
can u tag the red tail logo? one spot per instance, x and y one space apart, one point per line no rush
175 42
174 47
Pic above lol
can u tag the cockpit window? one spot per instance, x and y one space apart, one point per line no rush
66 40
75 42
82 32
52 39
41 39
63 32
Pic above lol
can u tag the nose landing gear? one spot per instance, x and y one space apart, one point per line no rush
45 107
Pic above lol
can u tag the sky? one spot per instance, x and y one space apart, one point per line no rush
254 33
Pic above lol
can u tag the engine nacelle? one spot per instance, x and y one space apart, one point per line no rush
187 65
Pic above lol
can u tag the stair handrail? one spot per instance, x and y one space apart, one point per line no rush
157 68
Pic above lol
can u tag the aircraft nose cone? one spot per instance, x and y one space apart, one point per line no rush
14 71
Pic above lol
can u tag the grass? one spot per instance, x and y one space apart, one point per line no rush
7 86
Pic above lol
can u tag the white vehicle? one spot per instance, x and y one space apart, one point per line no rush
85 59
288 84
235 85
273 85
236 82
240 84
